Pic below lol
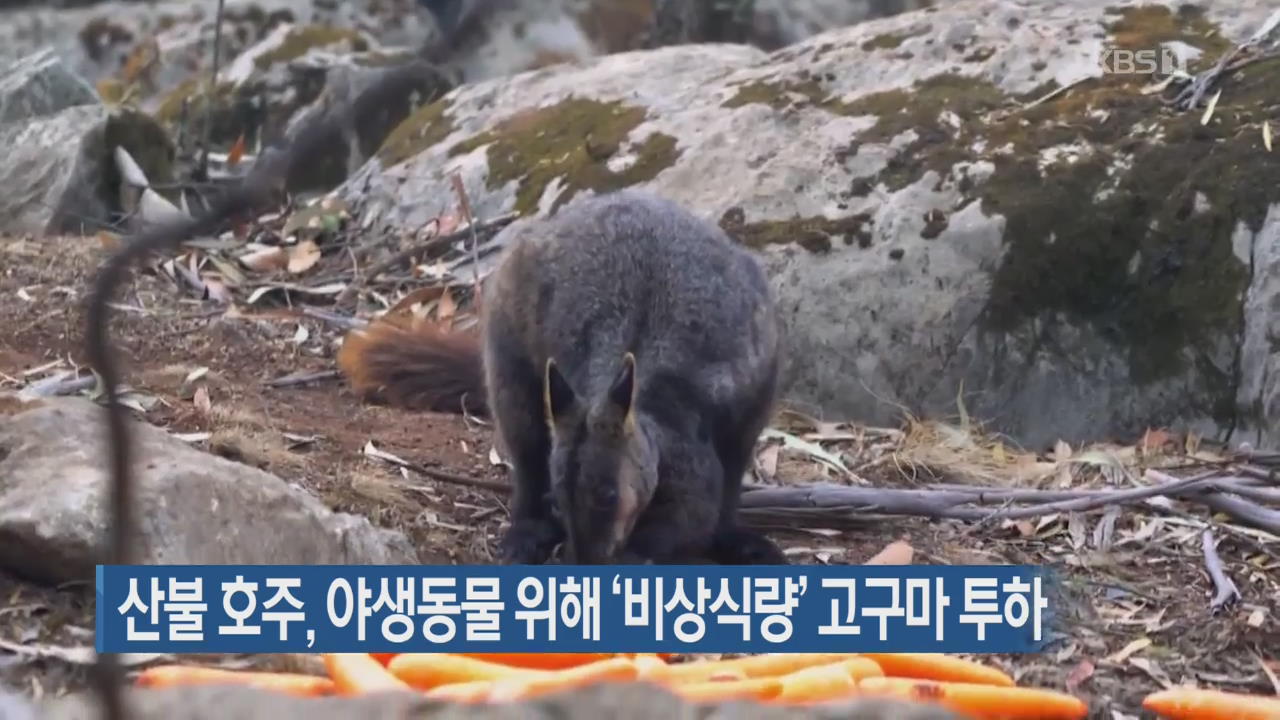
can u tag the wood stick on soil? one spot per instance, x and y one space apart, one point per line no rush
449 477
488 229
1227 590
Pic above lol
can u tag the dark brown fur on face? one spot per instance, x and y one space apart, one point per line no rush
603 464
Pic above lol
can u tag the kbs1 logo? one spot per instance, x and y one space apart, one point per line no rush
1161 61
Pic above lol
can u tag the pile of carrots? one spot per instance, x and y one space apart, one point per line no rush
966 687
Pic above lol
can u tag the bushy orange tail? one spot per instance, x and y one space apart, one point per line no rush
418 366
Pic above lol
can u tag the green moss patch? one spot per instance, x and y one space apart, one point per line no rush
423 129
891 41
145 141
806 89
1146 27
920 110
1132 237
298 41
813 233
570 142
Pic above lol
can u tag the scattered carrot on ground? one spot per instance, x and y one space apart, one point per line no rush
771 665
541 661
825 683
1187 703
936 666
360 673
291 683
979 701
475 691
763 689
425 671
603 671
971 688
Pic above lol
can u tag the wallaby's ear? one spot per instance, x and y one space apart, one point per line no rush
622 393
557 397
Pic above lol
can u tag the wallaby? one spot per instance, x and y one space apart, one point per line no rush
629 357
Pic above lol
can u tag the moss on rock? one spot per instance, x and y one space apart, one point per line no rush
1145 27
231 110
812 233
299 40
805 89
570 142
423 129
921 110
1119 212
892 41
145 141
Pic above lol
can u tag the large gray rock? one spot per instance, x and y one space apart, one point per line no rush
41 84
58 172
1072 266
191 507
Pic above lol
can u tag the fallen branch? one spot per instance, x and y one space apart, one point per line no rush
829 505
1237 507
303 378
946 503
1227 590
473 230
1245 511
443 476
1191 95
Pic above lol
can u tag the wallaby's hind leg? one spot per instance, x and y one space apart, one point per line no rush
517 410
736 445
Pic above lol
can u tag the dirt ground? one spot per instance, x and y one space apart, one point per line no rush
1140 609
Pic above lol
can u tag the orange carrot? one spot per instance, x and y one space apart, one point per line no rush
290 683
729 675
936 666
426 671
980 701
823 683
541 661
649 668
475 691
359 673
383 658
753 666
602 671
1183 703
761 688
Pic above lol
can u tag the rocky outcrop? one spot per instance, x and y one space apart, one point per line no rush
40 84
951 207
191 507
58 173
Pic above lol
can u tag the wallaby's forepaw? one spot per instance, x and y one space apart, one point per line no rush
529 543
746 547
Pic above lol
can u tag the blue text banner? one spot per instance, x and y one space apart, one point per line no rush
565 608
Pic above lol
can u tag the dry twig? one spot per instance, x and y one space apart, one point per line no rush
488 229
1227 590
